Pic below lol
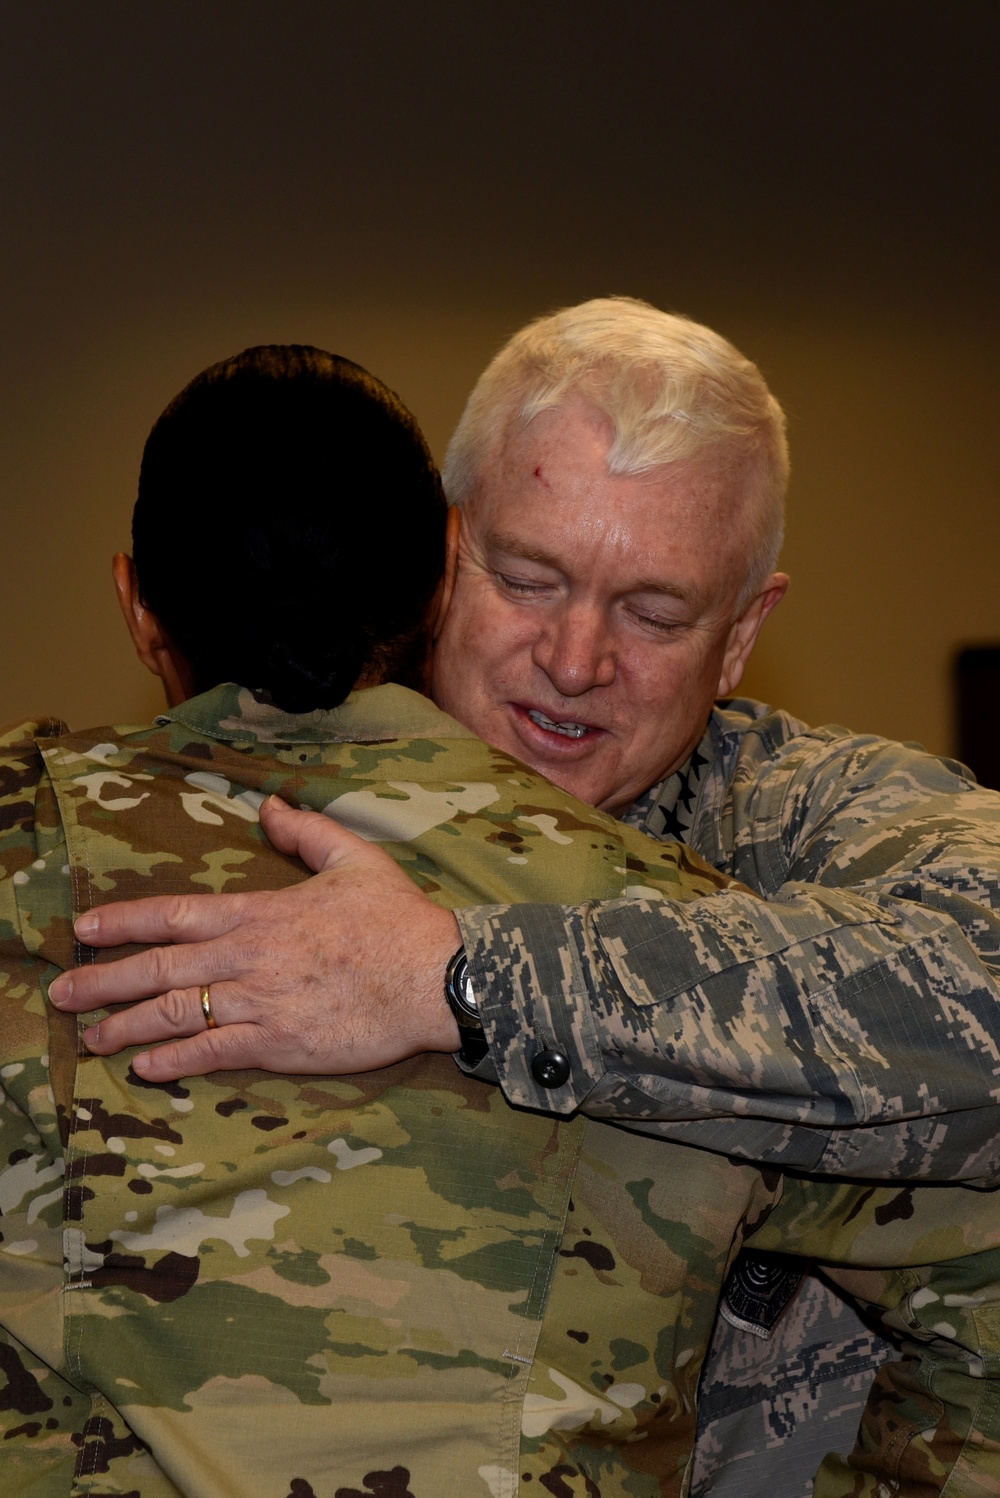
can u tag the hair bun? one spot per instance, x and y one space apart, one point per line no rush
289 531
298 680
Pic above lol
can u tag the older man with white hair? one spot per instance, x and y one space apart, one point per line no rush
617 483
616 547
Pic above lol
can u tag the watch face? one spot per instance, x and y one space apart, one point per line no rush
459 990
467 992
461 998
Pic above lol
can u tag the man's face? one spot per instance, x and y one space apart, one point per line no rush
592 621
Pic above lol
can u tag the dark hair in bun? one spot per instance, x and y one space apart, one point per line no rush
289 529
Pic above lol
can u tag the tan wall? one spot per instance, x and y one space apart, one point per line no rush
407 193
893 538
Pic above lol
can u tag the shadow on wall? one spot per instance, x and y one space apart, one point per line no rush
977 711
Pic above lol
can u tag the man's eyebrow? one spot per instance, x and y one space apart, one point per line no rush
508 544
511 545
669 590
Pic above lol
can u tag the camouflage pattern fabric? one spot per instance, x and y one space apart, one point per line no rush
863 992
785 806
771 1408
946 1319
945 1315
391 1285
785 1387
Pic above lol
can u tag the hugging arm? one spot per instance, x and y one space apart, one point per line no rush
819 1032
848 1024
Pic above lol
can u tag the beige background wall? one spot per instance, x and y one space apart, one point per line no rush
407 184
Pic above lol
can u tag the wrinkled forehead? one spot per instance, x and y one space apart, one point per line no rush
680 526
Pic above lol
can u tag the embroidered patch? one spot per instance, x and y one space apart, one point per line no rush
759 1287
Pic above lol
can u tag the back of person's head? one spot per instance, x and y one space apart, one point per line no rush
289 529
672 390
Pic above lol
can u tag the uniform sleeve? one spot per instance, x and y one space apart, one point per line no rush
931 1422
847 1024
40 1410
37 1045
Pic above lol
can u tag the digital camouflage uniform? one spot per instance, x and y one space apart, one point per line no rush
392 1284
865 992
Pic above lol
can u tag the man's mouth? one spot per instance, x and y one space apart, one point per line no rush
567 729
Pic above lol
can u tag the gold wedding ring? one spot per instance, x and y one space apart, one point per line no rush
211 1023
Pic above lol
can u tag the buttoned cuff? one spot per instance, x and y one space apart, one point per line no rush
529 968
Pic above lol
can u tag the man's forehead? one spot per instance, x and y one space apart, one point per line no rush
676 530
527 481
574 426
576 437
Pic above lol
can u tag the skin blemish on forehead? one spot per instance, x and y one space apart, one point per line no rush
590 632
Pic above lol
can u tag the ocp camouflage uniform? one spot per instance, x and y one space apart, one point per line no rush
864 993
392 1284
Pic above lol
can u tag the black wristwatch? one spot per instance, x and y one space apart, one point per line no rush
462 1002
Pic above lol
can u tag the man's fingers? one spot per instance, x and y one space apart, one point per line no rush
319 842
145 975
177 1013
175 918
291 974
230 1048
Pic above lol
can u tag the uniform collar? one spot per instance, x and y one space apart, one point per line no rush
666 810
234 715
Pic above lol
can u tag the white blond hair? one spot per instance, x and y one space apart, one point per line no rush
673 390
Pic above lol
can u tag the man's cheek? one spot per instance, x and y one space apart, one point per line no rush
501 635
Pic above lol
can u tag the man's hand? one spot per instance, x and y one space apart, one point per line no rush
343 973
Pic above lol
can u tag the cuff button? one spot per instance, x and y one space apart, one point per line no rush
550 1069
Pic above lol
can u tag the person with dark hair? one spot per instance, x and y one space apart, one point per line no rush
256 1285
243 598
617 483
393 1281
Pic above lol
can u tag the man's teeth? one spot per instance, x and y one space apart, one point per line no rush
571 730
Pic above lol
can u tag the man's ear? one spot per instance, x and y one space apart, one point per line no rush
453 530
744 632
152 644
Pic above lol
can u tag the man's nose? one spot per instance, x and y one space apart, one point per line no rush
575 650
